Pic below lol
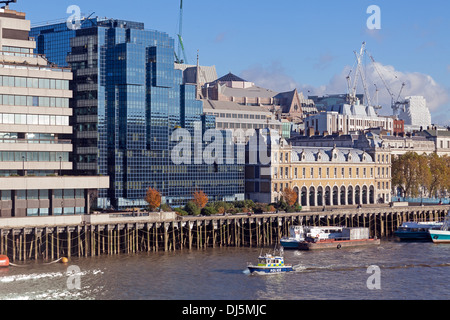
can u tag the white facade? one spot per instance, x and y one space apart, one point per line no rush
415 113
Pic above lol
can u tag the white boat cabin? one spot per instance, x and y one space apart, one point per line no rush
324 233
296 232
269 260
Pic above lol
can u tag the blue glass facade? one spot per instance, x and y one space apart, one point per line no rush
128 100
54 40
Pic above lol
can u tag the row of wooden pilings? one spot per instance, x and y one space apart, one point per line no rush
54 242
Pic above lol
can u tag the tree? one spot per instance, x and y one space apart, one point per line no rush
410 172
180 212
200 199
192 209
290 196
208 211
447 178
153 199
439 173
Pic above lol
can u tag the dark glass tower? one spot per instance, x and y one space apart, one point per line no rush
128 100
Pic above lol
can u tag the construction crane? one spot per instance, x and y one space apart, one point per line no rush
180 39
7 2
398 104
363 80
352 93
395 102
382 79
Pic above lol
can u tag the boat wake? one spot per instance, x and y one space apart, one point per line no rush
40 276
335 268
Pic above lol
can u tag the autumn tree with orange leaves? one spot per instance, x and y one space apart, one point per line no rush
290 196
200 199
153 199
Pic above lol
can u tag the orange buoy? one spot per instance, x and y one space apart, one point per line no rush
4 261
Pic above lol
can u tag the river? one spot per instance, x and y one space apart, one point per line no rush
408 271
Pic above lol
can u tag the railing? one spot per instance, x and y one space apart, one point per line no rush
42 141
24 64
20 54
442 200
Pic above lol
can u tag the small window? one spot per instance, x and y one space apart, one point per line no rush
32 212
43 194
6 195
21 195
58 194
32 194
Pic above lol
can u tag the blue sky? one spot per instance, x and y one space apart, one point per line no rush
304 44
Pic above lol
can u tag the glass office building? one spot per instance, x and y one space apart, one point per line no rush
128 100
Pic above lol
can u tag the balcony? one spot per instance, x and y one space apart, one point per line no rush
87 134
87 119
83 103
42 183
86 72
77 57
87 87
87 150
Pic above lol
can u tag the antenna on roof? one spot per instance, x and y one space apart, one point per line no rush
87 19
7 2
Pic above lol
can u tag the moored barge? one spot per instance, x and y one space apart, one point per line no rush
336 238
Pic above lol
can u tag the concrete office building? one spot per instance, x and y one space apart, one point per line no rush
34 118
233 116
345 118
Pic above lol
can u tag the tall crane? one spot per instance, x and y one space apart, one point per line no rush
358 73
363 80
180 39
395 102
382 79
7 2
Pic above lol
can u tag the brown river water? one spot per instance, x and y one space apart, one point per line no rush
407 271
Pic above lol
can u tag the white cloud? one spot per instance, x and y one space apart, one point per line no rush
324 61
276 78
416 84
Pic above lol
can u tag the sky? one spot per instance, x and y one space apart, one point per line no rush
308 45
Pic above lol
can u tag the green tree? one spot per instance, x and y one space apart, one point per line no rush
192 209
439 173
181 212
447 176
208 211
410 172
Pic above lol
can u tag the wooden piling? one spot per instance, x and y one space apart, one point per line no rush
52 242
